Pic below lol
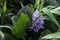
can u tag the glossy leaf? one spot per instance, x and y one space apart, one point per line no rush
1 35
53 35
58 8
51 16
55 12
45 32
4 26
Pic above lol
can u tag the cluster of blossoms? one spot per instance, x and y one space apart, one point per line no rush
37 22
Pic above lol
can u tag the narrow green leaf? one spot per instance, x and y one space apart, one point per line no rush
45 17
58 8
3 12
19 28
22 5
4 26
14 19
53 2
51 16
1 35
55 12
37 4
45 32
4 7
42 4
53 35
51 7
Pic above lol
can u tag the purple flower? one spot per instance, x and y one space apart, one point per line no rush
37 24
35 15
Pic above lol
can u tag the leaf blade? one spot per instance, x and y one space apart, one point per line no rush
53 35
19 28
51 16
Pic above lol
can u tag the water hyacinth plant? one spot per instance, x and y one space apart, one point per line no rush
29 20
37 22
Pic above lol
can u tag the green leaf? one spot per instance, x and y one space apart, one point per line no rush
22 5
37 4
45 32
51 7
3 12
1 35
14 19
4 7
27 10
55 12
19 28
45 17
51 16
4 26
53 35
53 2
54 39
58 9
42 4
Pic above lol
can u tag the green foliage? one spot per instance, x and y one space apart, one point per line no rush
1 35
51 36
46 11
4 7
51 2
19 28
16 19
37 4
27 10
42 4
